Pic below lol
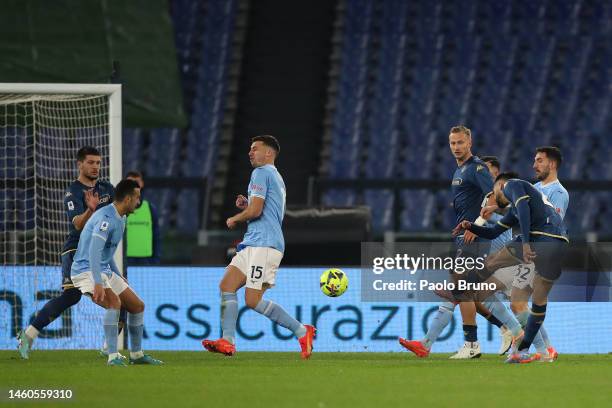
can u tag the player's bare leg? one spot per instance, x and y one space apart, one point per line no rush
135 322
233 280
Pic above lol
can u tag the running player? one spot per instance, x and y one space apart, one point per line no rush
260 253
86 194
95 273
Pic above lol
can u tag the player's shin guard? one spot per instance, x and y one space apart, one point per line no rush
278 315
135 323
440 321
229 315
534 322
111 317
55 307
538 342
499 310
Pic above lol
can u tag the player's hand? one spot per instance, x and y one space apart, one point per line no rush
486 212
528 254
231 223
469 237
98 294
242 202
463 225
92 200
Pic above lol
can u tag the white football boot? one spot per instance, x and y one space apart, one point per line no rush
469 350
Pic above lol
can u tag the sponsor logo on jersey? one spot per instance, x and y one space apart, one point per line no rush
457 181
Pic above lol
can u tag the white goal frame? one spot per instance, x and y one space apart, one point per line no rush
115 121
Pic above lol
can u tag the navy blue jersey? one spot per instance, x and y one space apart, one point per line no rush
471 182
529 209
74 205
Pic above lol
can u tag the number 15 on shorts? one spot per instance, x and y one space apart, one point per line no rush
256 273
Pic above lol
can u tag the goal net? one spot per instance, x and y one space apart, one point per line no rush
41 128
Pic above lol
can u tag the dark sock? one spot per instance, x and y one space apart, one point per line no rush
535 320
56 307
470 333
494 320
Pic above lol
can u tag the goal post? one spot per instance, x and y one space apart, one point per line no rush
41 128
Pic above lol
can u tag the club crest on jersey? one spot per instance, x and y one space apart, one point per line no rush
104 226
457 182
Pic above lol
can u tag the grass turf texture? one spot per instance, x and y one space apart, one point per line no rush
326 380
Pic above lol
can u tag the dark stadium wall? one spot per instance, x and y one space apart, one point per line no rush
76 41
283 90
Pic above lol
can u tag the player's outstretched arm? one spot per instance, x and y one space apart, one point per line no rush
253 210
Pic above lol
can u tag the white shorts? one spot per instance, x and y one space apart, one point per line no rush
506 276
259 264
524 276
85 282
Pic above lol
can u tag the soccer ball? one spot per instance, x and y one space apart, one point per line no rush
334 282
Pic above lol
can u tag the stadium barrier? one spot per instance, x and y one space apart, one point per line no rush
182 307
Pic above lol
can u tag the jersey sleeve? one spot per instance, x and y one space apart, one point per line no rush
102 229
515 192
560 200
495 230
259 184
482 178
74 204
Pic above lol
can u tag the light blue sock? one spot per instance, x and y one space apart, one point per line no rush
135 329
278 315
545 337
498 309
440 321
111 317
538 342
229 315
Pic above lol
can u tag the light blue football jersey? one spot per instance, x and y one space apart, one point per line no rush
505 237
106 225
556 194
266 230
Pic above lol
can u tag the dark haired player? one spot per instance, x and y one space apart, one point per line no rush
260 252
95 273
84 196
541 227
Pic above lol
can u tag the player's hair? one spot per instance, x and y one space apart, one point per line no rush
507 175
268 140
491 159
87 151
134 173
125 188
461 129
553 153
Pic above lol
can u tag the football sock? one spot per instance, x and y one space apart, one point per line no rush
111 317
537 340
31 333
534 322
135 323
278 315
499 310
470 333
229 315
440 321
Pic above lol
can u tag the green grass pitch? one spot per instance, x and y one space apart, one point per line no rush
326 380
